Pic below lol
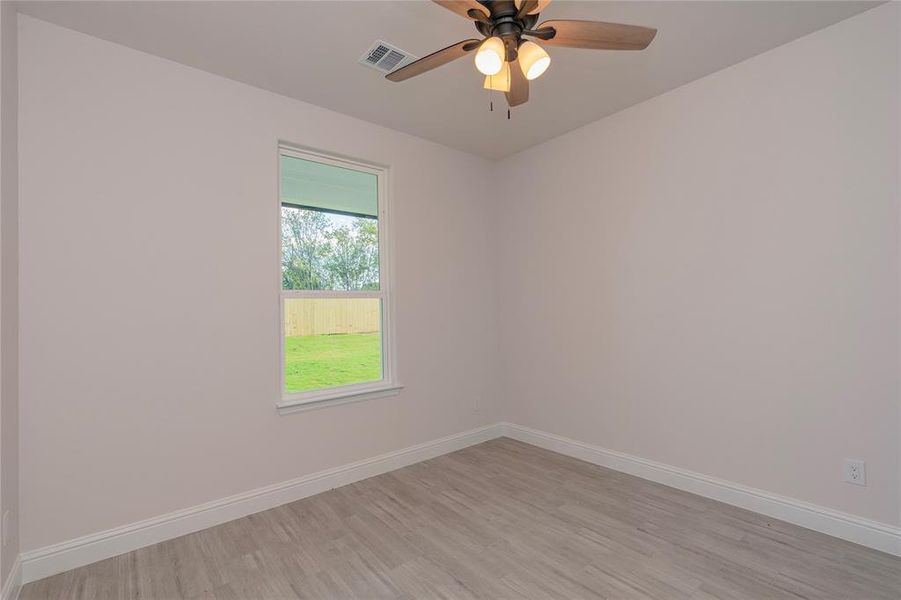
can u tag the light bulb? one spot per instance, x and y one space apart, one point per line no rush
499 82
490 57
533 60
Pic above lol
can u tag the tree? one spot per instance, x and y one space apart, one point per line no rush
318 252
352 261
304 248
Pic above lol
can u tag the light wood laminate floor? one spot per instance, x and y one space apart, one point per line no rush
499 520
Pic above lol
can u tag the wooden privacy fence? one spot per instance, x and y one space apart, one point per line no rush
324 316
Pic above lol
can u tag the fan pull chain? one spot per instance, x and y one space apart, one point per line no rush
508 114
491 106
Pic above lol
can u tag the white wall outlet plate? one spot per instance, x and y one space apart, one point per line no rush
855 472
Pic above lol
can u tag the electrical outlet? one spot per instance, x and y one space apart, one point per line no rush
855 472
477 403
4 528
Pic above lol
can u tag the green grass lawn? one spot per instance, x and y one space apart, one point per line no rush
318 361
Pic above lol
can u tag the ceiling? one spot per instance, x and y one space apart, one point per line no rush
309 51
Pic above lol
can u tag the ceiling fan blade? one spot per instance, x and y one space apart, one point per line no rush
462 7
539 5
433 60
531 7
597 35
519 86
525 7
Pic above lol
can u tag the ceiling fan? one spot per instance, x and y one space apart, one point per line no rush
509 61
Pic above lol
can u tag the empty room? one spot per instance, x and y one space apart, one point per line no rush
476 299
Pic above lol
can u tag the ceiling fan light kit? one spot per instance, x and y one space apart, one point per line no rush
491 57
533 59
503 25
499 82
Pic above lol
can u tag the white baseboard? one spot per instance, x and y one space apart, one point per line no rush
13 583
64 556
873 534
57 558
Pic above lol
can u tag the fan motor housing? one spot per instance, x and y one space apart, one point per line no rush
505 24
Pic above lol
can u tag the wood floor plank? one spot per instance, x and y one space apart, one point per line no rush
499 520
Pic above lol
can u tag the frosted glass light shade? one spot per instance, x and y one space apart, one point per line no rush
533 60
499 82
490 57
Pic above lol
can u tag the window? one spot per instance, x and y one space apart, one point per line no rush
335 309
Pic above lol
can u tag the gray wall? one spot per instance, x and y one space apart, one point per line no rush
710 279
9 284
150 188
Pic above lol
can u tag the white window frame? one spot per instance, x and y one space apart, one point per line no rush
388 385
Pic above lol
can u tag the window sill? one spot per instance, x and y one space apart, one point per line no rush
335 397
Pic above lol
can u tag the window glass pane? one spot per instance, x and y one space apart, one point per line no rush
327 251
331 342
310 184
330 232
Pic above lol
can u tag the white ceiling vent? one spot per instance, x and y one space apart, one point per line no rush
385 57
